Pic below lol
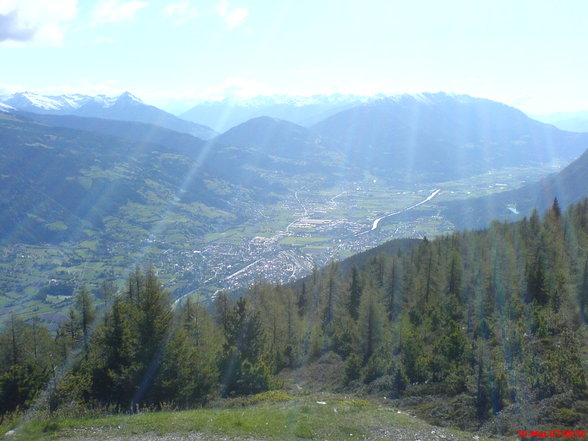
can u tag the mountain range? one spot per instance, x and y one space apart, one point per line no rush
446 136
426 137
223 114
125 107
406 138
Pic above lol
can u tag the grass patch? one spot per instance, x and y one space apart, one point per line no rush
302 240
271 415
271 396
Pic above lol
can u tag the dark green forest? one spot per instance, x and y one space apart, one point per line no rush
494 322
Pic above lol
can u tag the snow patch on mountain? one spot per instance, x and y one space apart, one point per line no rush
6 108
31 102
40 101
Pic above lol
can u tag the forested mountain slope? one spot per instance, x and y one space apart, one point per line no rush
483 330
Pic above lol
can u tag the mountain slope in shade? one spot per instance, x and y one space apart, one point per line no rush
568 186
274 137
286 148
125 107
134 131
445 136
61 184
265 144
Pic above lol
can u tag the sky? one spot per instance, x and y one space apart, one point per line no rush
171 53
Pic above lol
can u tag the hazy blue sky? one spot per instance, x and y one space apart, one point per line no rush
530 54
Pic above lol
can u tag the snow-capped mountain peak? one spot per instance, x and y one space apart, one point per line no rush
65 104
30 99
104 101
124 107
128 98
35 102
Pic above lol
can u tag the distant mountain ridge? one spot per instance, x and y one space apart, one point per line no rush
125 107
446 136
224 114
414 138
409 138
572 121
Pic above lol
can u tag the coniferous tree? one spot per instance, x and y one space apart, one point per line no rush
391 286
86 313
222 308
371 324
302 300
583 294
329 295
537 289
354 294
154 315
555 208
26 361
107 293
114 363
242 364
455 275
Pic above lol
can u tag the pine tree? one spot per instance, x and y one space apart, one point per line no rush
454 283
371 324
153 314
302 300
354 294
86 314
555 208
537 289
107 292
135 286
241 363
222 308
14 343
482 392
583 294
329 295
391 286
114 363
